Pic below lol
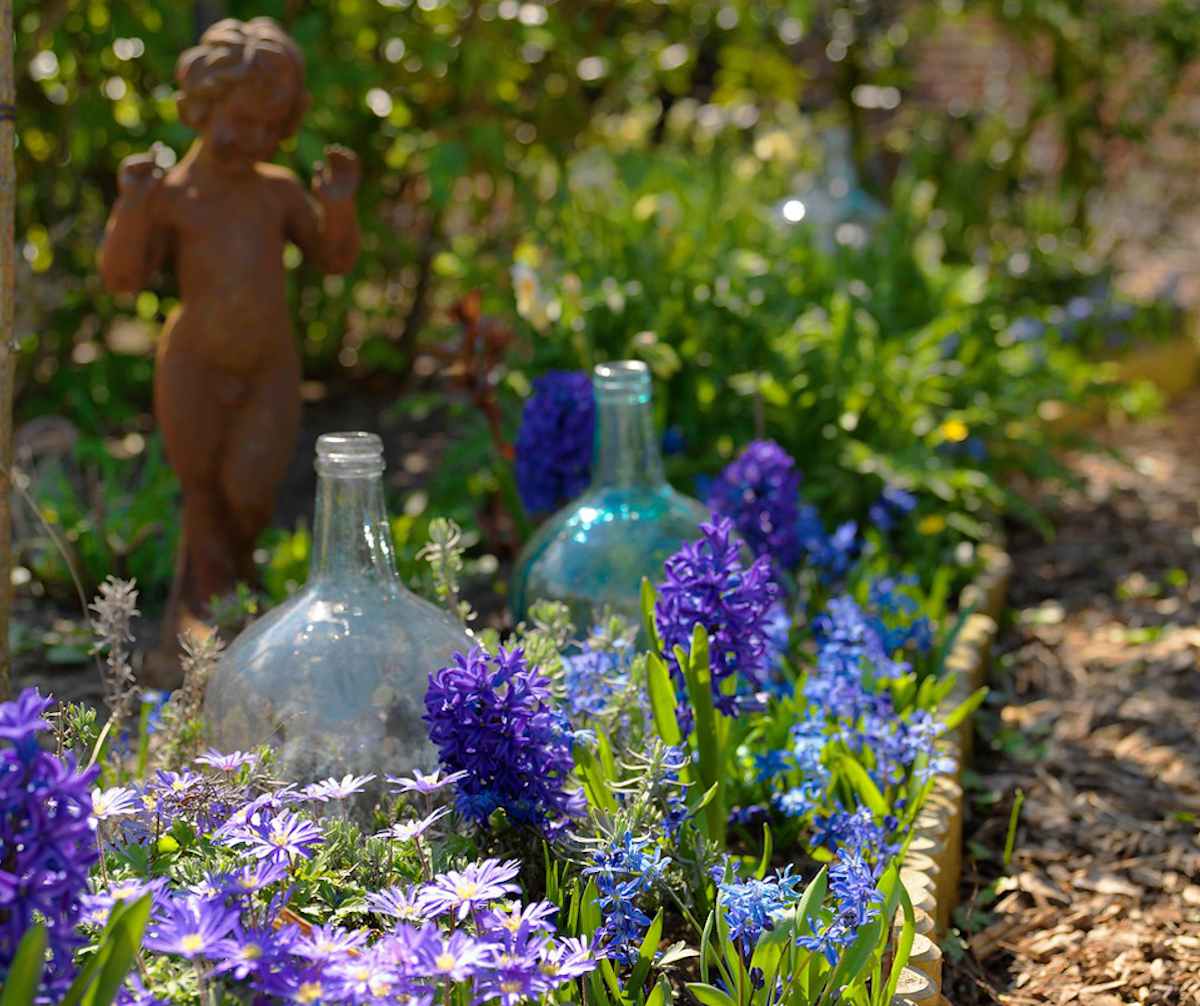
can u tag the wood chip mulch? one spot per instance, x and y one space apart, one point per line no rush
1095 716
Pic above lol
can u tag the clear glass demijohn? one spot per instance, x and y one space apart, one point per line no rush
836 207
334 679
593 553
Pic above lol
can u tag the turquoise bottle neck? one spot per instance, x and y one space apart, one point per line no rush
627 450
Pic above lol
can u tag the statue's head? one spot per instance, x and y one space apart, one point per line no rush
242 89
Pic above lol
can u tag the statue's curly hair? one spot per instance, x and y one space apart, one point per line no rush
229 51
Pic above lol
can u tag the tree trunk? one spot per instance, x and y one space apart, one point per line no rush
8 185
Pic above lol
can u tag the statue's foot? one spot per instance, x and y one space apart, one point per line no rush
162 667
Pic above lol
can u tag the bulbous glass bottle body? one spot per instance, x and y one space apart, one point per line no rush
334 679
592 554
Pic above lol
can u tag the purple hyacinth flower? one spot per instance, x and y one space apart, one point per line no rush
706 584
760 492
554 444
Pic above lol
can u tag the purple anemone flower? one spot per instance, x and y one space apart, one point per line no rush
191 928
465 891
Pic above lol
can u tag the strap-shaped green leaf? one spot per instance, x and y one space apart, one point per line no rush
648 622
126 938
709 995
646 954
663 700
863 785
964 709
25 973
764 863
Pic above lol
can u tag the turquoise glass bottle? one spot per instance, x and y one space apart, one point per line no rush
334 679
593 553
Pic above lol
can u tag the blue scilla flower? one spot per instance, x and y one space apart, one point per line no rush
625 870
852 881
799 800
591 678
829 554
893 611
1024 330
770 764
706 584
493 718
856 831
675 808
759 492
750 814
554 444
750 906
893 505
856 903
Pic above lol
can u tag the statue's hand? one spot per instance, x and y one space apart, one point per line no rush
138 176
336 178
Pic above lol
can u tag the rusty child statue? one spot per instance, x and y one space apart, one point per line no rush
227 377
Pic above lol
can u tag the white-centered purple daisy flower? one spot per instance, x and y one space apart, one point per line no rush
336 789
328 943
230 762
191 928
401 903
425 784
410 831
285 837
118 801
463 892
456 957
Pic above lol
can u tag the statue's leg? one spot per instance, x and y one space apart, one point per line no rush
192 405
261 445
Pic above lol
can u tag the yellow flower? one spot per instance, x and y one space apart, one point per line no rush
931 524
954 430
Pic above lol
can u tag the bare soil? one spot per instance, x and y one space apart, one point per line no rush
1095 717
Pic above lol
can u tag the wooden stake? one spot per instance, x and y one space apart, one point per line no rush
8 193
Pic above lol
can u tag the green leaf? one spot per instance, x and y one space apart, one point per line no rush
661 996
1014 818
944 649
595 784
646 953
903 946
589 910
709 995
708 797
663 700
574 924
810 901
964 709
25 973
648 623
705 937
610 978
124 940
768 847
864 786
599 996
698 676
855 959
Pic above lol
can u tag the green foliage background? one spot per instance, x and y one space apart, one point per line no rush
470 117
